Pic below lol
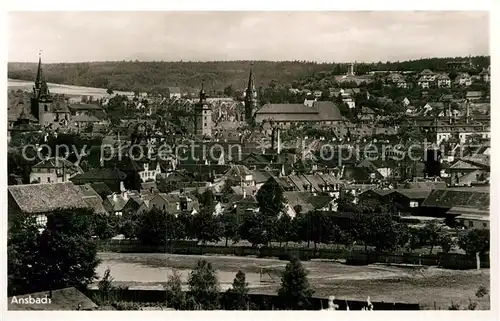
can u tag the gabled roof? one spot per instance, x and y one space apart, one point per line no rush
448 198
413 193
59 163
42 198
286 109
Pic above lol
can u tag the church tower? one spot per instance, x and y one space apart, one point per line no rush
41 100
203 116
250 98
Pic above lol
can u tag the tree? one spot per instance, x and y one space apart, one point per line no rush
207 227
106 293
176 298
229 91
270 198
238 294
295 289
475 241
155 227
204 286
446 242
257 229
61 255
432 233
284 229
105 226
109 91
230 223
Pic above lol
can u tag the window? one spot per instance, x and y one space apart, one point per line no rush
205 124
205 118
41 220
485 225
163 206
471 223
39 180
413 204
48 179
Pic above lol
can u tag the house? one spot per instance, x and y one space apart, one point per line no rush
443 81
384 167
433 107
54 170
406 102
174 92
486 74
40 199
469 171
122 204
473 95
408 200
112 177
175 203
470 217
366 114
463 79
69 299
317 94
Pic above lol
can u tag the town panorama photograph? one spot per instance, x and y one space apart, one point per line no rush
248 160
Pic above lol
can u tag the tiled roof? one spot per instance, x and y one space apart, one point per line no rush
448 198
84 119
41 198
327 110
413 193
286 109
101 188
99 174
84 107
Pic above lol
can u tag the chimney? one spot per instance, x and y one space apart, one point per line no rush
115 197
244 192
122 187
279 142
467 111
449 112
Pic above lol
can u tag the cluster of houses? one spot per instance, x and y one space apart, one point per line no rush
125 185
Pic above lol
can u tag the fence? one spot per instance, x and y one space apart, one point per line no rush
256 301
352 257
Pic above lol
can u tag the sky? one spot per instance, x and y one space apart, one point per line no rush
337 36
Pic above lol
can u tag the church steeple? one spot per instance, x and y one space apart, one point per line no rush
250 97
203 95
40 90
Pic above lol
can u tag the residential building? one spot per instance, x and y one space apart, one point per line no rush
486 74
41 199
468 171
463 79
443 81
112 177
54 170
174 92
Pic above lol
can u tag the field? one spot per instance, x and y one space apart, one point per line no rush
431 287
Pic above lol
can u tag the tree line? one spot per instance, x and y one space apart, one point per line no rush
157 76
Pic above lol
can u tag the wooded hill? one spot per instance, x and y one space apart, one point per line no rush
156 76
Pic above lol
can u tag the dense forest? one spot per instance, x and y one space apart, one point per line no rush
155 76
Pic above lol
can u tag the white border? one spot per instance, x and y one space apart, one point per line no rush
256 5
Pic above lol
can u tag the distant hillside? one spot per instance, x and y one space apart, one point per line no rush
156 76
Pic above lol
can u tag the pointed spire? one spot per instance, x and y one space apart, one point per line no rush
202 91
38 80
